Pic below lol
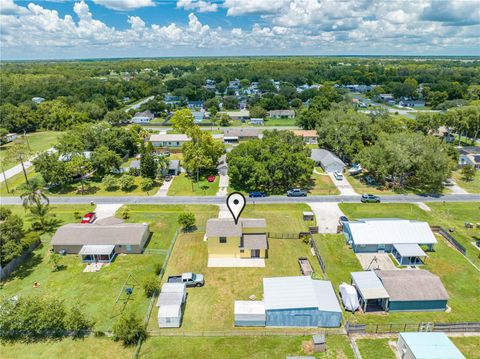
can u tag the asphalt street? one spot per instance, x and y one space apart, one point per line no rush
409 198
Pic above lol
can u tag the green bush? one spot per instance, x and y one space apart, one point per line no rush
110 182
150 285
129 329
126 182
186 220
158 268
146 184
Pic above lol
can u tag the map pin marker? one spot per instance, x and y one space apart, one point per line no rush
236 203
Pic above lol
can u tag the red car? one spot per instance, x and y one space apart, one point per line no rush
90 217
211 178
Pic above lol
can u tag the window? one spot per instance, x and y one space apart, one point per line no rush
223 239
129 248
242 251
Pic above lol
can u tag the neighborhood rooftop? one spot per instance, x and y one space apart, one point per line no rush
93 234
169 137
299 292
412 284
390 231
225 227
431 346
325 157
368 284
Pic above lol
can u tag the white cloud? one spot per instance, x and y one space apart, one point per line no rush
197 5
300 26
244 7
8 7
124 5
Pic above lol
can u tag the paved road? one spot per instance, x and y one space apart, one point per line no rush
272 199
138 104
18 168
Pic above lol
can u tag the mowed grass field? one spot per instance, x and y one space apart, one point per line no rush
469 186
38 142
460 278
322 185
210 308
97 292
376 348
86 348
183 185
252 347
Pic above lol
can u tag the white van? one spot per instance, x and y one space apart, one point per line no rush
338 175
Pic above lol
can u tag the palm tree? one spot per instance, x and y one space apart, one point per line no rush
33 193
40 211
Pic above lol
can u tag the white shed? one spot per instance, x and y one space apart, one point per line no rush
170 303
249 313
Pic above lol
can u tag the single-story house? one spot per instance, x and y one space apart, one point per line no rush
256 121
198 116
194 104
38 100
100 243
406 102
281 114
390 235
222 166
169 303
427 345
310 137
371 292
249 313
143 117
68 156
413 290
300 301
386 97
167 140
246 239
469 155
173 167
327 160
237 134
241 115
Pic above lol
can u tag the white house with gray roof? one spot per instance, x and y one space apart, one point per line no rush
169 140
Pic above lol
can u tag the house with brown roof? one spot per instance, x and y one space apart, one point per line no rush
246 239
310 137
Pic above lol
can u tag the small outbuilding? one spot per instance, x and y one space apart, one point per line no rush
413 290
308 216
408 254
327 160
169 303
300 301
249 313
427 345
371 292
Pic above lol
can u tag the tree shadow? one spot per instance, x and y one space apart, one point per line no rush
28 266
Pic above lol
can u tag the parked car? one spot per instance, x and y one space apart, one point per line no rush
257 194
338 175
190 279
370 198
165 153
211 178
342 219
90 217
168 178
296 192
448 182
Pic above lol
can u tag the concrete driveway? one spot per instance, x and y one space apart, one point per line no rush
327 215
343 186
106 210
223 183
163 190
383 261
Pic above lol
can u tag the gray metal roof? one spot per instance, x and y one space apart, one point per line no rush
241 132
255 241
226 227
299 292
135 164
174 164
409 250
169 298
92 234
410 285
97 250
325 157
368 284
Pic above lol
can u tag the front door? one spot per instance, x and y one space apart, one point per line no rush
255 253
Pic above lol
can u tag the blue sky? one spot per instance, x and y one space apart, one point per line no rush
63 29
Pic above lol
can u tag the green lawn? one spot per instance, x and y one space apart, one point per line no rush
184 186
38 142
376 348
260 347
94 187
211 307
280 122
470 186
459 277
448 215
362 187
96 292
322 185
86 348
469 346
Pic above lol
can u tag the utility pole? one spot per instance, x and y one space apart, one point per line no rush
26 139
5 179
23 168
